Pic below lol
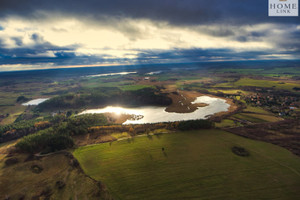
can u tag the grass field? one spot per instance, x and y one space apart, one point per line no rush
259 83
265 83
225 123
94 83
193 165
256 117
282 71
133 87
14 111
257 110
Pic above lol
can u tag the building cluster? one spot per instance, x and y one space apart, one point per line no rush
283 105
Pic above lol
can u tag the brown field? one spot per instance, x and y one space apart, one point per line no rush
57 176
285 133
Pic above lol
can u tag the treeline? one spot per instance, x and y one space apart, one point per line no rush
79 125
59 136
145 128
195 124
22 99
105 96
131 129
19 129
45 141
23 128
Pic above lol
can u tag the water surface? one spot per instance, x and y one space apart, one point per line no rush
155 114
35 102
111 74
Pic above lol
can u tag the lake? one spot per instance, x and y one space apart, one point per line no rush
35 102
111 74
155 114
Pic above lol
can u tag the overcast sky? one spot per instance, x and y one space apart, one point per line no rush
48 34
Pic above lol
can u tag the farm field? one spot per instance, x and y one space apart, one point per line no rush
259 83
265 83
225 123
256 117
192 165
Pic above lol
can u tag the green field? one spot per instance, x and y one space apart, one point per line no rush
225 123
257 110
14 111
259 83
256 117
194 165
277 71
134 87
265 83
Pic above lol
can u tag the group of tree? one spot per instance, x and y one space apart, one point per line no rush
19 129
22 99
105 96
45 141
195 124
144 128
75 125
59 136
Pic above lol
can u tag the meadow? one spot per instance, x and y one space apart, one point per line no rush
192 165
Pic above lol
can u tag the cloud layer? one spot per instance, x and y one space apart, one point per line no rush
72 32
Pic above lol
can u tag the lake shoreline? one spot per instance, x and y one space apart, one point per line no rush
155 114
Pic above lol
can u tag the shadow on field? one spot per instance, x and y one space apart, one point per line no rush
130 140
165 154
150 137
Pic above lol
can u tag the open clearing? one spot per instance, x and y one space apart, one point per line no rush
57 180
193 165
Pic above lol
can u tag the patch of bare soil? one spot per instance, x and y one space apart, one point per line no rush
182 103
55 176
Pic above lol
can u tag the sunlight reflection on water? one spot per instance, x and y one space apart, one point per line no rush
155 114
35 102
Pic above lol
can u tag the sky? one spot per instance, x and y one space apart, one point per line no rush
37 34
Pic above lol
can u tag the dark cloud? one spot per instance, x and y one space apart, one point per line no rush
291 41
18 41
198 55
35 53
184 55
36 38
227 19
220 31
67 57
179 12
257 34
60 59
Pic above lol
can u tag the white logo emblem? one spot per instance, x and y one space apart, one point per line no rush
283 7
